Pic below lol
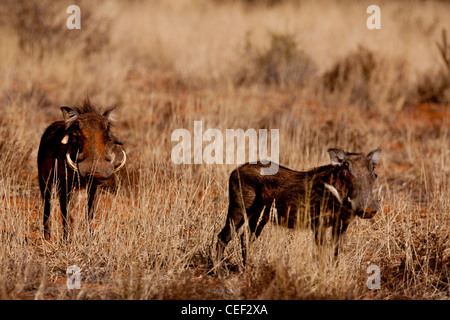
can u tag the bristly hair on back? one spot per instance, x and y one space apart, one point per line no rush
88 107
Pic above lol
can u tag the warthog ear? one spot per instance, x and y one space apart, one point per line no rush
110 115
374 156
70 116
336 155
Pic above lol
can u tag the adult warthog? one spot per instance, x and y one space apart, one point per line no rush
327 196
78 152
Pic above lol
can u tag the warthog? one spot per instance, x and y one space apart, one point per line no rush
328 196
79 152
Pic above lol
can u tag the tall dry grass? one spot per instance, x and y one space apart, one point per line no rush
168 63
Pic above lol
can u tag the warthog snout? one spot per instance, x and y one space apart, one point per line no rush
367 211
85 169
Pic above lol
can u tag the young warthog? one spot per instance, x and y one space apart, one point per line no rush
328 196
79 152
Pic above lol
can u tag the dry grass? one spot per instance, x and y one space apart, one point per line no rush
168 63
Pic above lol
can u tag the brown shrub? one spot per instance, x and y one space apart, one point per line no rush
281 64
365 79
41 27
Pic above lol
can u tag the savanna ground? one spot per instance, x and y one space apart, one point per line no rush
310 69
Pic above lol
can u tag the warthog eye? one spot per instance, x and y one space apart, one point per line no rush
346 169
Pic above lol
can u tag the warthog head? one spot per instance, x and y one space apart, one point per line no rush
93 151
354 181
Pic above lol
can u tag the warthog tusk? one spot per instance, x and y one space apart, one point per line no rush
333 191
71 163
122 163
74 166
